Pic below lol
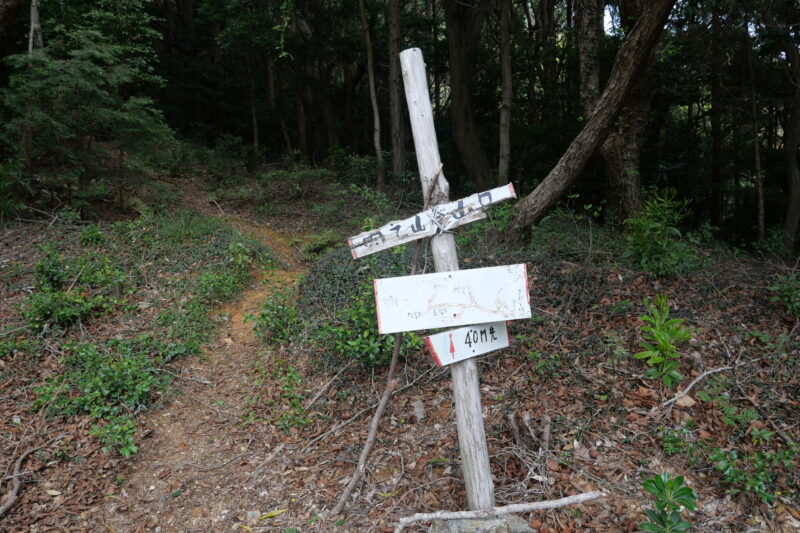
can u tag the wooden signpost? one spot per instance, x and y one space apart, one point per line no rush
482 298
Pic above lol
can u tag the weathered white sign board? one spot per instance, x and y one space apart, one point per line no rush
459 344
427 223
456 298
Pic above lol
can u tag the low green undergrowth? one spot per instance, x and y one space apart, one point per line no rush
157 278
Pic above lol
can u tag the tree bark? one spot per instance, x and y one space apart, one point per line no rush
621 149
504 159
35 39
791 144
634 52
748 49
373 98
717 199
398 124
464 23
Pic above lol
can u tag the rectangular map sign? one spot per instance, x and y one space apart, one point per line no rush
427 223
448 299
463 343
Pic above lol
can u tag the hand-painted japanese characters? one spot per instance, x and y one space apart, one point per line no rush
456 298
425 224
463 343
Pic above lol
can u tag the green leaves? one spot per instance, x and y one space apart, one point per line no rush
671 496
660 340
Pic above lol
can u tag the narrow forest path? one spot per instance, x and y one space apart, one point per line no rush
202 455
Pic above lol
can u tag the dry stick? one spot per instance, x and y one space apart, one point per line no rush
694 382
514 508
325 387
391 384
11 497
361 412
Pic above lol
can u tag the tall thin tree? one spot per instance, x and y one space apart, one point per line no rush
373 97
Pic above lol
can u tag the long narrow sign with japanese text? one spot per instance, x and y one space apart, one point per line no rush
425 224
456 298
462 343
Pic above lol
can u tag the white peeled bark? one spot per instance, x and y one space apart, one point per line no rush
466 392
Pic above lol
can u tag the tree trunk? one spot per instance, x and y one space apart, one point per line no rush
590 25
464 23
504 159
791 144
717 199
634 52
251 89
748 49
373 98
621 149
35 39
398 124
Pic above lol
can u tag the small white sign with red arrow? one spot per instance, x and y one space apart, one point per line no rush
463 343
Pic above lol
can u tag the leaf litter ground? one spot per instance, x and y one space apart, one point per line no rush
566 410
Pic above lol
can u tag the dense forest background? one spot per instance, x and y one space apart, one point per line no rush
94 91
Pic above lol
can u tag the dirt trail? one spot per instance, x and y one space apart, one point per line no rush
201 462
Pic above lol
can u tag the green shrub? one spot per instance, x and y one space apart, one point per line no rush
319 243
660 340
117 434
353 335
216 286
61 308
91 235
655 241
278 320
787 293
671 495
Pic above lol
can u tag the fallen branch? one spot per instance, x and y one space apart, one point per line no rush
340 425
499 511
11 497
694 382
391 384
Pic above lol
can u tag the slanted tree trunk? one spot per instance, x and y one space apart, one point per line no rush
373 98
398 124
464 23
504 159
634 52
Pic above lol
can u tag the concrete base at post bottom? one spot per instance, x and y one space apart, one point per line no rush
495 524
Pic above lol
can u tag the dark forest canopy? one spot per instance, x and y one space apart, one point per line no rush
713 113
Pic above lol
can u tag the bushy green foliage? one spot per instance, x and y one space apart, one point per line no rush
91 235
353 334
218 285
654 240
62 97
319 243
62 309
292 413
660 341
787 293
278 319
754 472
671 495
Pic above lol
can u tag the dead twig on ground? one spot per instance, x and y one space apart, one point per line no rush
11 497
325 387
685 391
499 511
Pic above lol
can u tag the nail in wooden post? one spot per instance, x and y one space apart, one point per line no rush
466 391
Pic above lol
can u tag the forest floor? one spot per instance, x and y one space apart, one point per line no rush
258 437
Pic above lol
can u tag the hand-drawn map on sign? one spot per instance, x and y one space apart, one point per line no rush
463 343
427 223
456 298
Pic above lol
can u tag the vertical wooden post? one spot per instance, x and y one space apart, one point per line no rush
466 391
